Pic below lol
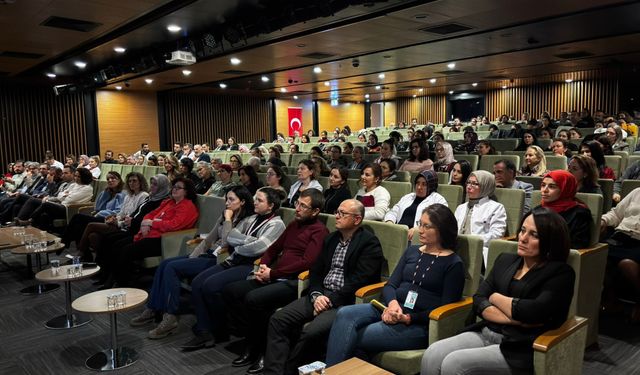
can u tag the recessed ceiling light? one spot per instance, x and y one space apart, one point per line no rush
186 72
568 80
317 69
174 28
451 65
119 49
367 100
235 61
450 92
414 95
378 87
504 87
421 90
118 88
264 79
381 75
295 97
283 89
51 75
148 81
474 84
366 96
223 85
327 83
432 80
80 64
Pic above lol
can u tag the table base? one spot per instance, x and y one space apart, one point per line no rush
61 322
39 289
105 361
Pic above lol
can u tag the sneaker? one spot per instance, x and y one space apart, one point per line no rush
166 327
201 340
146 317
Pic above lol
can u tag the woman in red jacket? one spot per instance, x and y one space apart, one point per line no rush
176 213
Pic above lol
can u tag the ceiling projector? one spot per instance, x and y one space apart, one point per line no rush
181 58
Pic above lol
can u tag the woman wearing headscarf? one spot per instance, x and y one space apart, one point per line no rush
481 214
444 157
409 208
558 189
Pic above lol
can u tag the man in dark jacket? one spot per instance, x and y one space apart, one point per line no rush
351 258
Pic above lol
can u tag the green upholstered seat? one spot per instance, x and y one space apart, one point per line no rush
628 186
472 159
556 162
487 161
452 194
397 190
513 202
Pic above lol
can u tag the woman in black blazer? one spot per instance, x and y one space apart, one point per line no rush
524 295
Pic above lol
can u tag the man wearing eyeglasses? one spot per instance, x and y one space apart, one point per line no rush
351 258
252 302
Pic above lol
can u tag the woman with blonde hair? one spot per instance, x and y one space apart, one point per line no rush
535 163
171 164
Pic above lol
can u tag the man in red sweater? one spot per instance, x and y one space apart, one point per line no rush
252 302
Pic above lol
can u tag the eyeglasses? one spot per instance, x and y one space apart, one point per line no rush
340 213
424 226
302 206
271 174
473 184
177 188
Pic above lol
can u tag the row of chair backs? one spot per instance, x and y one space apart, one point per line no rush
628 186
513 202
146 170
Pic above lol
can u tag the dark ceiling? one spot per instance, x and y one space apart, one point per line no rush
383 49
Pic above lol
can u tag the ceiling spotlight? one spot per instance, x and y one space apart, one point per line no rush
264 79
120 49
283 89
148 81
421 90
186 72
295 97
80 64
504 87
367 100
317 69
327 83
474 84
432 80
381 75
451 65
450 92
568 80
366 96
223 85
378 87
51 75
414 95
118 88
235 61
174 28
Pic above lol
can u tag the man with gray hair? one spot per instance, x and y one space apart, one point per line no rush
255 163
351 258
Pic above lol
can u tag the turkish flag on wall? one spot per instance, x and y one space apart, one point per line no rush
295 121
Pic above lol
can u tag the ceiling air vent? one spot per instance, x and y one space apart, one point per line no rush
450 72
574 55
318 55
447 28
70 24
235 72
21 55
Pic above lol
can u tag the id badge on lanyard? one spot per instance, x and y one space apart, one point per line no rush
412 297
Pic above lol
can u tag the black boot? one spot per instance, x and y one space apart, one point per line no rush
257 367
248 357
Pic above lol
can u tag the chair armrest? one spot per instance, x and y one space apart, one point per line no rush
303 276
303 282
194 241
549 339
175 243
450 309
509 238
370 290
446 321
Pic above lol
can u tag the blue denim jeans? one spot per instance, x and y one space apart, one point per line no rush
360 327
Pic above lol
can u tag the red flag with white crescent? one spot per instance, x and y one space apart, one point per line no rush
295 121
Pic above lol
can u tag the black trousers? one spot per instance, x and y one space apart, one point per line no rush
44 215
27 208
105 257
124 257
291 344
250 304
77 225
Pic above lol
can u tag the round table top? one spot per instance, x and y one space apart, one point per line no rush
96 302
22 250
47 276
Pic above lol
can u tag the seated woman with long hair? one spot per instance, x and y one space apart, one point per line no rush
583 168
427 276
178 212
482 215
558 192
374 197
459 175
306 180
249 239
528 139
523 296
594 150
171 166
408 210
337 191
469 143
444 157
418 159
535 162
277 179
249 178
164 296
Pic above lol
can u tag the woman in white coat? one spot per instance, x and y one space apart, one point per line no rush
481 214
408 210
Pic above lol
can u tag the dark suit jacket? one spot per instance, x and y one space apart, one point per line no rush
542 296
362 265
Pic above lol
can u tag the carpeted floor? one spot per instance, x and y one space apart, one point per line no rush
27 347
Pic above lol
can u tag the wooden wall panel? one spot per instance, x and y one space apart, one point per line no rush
424 108
390 113
203 118
282 114
127 119
343 114
33 120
